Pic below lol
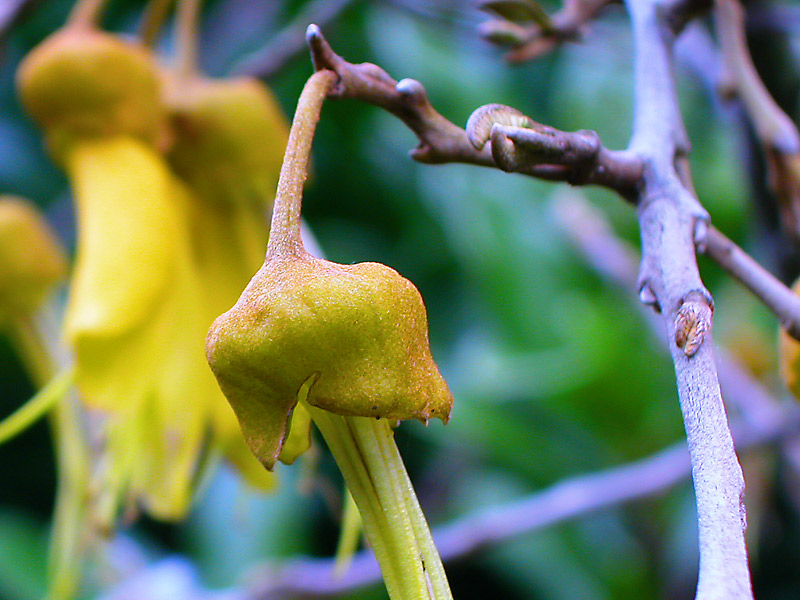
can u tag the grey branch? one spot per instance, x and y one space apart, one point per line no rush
589 231
671 221
774 294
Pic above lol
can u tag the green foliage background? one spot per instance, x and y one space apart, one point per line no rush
553 372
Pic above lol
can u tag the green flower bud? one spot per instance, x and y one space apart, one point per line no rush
350 339
32 261
356 335
81 82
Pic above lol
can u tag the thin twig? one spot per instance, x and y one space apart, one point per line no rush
535 149
531 41
779 137
155 14
186 38
774 294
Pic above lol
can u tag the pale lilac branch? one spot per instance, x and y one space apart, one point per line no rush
774 294
616 261
671 221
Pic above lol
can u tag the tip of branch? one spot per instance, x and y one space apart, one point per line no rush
312 31
410 88
321 52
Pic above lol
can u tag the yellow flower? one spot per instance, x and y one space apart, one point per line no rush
135 319
157 260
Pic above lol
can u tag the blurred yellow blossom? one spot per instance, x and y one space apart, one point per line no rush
158 258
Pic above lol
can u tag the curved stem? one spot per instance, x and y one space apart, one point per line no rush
36 339
187 17
284 235
38 406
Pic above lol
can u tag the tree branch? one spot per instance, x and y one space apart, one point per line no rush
777 133
536 149
774 294
589 231
671 220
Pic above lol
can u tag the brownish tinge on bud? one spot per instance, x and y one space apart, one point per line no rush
351 339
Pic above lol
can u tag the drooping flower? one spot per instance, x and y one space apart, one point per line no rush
156 259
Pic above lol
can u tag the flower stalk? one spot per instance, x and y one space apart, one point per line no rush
348 344
36 343
363 447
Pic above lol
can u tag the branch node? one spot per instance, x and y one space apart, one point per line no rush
700 234
693 321
482 119
322 55
648 297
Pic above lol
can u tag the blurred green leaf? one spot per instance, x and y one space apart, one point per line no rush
23 554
